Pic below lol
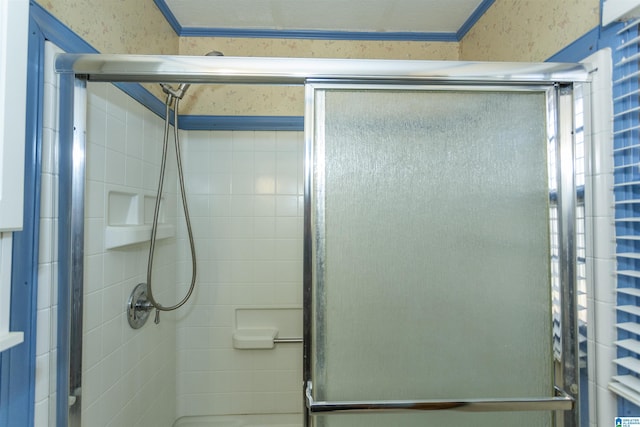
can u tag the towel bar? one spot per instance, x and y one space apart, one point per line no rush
561 402
287 340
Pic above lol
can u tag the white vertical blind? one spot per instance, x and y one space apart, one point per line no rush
581 244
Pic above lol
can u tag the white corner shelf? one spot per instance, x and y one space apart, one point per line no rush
124 235
129 217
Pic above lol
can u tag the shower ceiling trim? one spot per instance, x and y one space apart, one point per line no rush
296 71
417 20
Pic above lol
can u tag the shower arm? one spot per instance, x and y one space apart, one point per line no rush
175 93
182 88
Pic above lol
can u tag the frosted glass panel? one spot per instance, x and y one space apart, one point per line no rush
432 280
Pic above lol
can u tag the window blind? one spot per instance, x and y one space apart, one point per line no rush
581 241
626 154
580 220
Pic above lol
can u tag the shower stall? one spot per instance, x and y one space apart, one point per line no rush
438 270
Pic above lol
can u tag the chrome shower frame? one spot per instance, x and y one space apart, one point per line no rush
77 69
72 165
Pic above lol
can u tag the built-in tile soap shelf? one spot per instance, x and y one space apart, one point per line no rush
129 218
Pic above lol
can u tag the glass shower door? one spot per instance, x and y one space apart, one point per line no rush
429 257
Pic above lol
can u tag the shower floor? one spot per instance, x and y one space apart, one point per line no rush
260 420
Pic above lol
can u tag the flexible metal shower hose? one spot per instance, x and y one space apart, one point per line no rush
156 211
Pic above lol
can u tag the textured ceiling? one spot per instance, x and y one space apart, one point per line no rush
420 16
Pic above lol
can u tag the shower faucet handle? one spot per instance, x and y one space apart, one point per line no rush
138 306
156 319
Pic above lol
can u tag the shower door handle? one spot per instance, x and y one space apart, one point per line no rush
561 402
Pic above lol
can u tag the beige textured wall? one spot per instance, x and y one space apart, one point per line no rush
117 26
319 48
528 30
283 100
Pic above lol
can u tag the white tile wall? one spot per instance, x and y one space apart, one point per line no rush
600 243
129 375
245 190
47 299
